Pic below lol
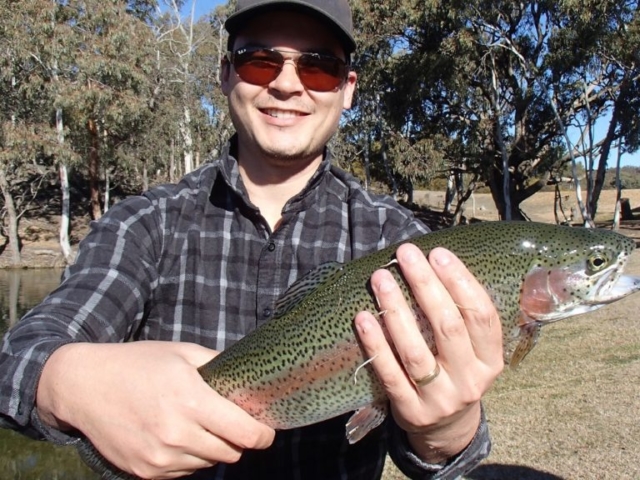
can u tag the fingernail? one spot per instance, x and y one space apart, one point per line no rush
409 255
441 257
362 325
386 285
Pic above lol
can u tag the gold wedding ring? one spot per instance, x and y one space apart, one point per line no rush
428 378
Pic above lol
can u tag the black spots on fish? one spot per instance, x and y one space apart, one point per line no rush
295 354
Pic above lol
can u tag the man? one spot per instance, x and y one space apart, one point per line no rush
191 268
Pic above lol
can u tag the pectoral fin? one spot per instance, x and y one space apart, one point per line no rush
529 333
364 420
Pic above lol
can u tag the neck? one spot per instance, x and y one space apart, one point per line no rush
271 183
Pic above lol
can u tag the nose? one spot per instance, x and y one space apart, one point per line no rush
287 80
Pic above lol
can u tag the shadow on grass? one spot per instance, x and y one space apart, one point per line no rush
496 471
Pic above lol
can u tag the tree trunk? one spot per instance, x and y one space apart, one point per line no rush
65 215
574 171
497 192
12 218
94 170
387 169
409 185
463 197
606 148
619 204
449 194
367 163
187 140
172 162
107 186
559 208
145 176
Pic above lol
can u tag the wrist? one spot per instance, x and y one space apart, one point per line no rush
439 445
51 400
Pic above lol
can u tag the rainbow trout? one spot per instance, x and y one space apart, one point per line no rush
306 365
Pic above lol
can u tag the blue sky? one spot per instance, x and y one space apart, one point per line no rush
205 6
202 6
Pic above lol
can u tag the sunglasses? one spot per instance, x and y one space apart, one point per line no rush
261 66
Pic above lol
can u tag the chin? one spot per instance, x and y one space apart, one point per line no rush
293 153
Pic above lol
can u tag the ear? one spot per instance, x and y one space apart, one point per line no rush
349 89
225 75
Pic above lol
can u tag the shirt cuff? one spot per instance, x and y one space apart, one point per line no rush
415 468
52 434
27 420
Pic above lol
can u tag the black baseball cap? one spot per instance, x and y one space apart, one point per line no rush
335 13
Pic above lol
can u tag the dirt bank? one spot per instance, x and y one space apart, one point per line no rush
41 249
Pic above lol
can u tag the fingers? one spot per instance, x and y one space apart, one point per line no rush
405 332
216 431
404 339
467 342
146 408
218 416
465 324
391 373
191 446
477 320
235 425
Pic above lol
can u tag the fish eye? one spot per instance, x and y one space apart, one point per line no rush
597 262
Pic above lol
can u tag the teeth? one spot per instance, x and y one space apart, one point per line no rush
282 113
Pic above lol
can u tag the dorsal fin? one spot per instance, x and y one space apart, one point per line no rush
305 285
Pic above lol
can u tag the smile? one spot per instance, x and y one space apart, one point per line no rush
282 113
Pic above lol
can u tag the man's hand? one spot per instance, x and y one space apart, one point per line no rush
442 416
145 407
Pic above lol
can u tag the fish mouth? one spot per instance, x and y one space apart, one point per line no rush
613 285
612 289
615 288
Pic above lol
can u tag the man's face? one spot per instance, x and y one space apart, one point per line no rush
283 122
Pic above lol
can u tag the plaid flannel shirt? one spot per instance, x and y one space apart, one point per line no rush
196 262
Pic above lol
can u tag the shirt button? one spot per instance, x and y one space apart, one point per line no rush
266 313
271 247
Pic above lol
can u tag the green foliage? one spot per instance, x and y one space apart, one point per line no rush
475 78
119 77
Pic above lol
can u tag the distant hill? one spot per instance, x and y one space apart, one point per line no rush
629 177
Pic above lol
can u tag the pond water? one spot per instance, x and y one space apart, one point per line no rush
22 458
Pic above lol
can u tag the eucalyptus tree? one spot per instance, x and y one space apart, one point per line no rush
397 152
213 100
28 141
50 45
481 73
365 127
611 84
69 60
185 47
110 91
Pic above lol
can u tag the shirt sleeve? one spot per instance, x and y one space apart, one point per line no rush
413 467
101 299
